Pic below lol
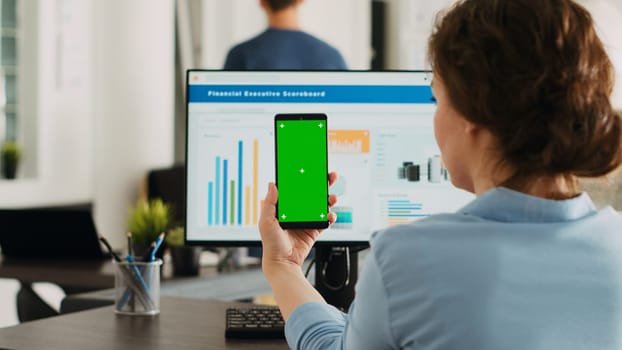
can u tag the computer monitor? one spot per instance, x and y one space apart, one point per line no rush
380 142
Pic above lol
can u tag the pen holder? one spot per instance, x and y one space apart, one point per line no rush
137 287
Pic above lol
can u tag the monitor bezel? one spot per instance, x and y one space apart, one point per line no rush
258 243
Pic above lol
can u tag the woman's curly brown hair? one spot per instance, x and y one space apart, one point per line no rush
537 76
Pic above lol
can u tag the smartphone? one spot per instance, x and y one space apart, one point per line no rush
301 158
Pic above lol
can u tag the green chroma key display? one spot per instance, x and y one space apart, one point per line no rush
301 170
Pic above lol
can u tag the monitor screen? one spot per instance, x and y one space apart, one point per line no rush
380 142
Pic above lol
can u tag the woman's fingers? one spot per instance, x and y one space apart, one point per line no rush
268 208
332 177
332 200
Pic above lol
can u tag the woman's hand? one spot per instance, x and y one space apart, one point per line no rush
287 246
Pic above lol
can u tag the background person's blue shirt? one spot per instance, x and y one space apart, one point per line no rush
281 49
508 271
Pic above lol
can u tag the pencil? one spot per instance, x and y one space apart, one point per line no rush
147 256
129 244
158 243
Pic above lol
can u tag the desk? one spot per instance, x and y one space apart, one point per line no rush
231 286
79 276
183 324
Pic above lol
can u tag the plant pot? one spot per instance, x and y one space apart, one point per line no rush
9 170
185 260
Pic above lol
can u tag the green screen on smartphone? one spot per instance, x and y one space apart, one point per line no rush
301 170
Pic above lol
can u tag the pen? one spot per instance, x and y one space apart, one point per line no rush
143 293
129 244
140 287
138 275
153 248
158 243
148 254
151 257
129 257
131 280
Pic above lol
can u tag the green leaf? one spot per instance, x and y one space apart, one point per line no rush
147 219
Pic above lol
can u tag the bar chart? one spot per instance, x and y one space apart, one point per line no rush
348 141
234 163
401 207
232 198
400 211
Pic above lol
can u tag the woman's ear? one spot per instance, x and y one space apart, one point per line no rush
476 133
469 127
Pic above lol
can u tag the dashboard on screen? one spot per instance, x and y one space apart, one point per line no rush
380 142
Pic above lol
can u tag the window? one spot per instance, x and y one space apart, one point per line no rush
9 38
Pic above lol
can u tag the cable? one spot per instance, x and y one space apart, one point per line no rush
346 280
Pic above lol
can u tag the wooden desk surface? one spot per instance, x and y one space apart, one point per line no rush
183 324
80 276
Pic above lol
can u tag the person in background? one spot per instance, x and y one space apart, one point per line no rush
283 46
523 91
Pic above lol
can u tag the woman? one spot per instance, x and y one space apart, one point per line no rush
523 92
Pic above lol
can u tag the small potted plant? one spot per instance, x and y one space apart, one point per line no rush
185 258
10 154
146 220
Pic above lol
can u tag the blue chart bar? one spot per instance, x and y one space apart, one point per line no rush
224 191
240 147
404 209
225 206
217 199
210 194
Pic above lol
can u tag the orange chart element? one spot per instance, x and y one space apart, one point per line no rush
348 141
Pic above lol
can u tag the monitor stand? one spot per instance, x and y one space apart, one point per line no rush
336 272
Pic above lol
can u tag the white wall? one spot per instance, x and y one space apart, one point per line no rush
409 25
411 21
134 89
608 17
345 24
27 87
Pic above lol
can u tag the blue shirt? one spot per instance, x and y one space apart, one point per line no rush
280 49
508 271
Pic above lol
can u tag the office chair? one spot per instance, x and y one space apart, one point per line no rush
169 184
31 304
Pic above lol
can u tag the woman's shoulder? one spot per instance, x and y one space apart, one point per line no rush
436 222
436 232
437 226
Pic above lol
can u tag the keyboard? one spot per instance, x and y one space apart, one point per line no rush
255 322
